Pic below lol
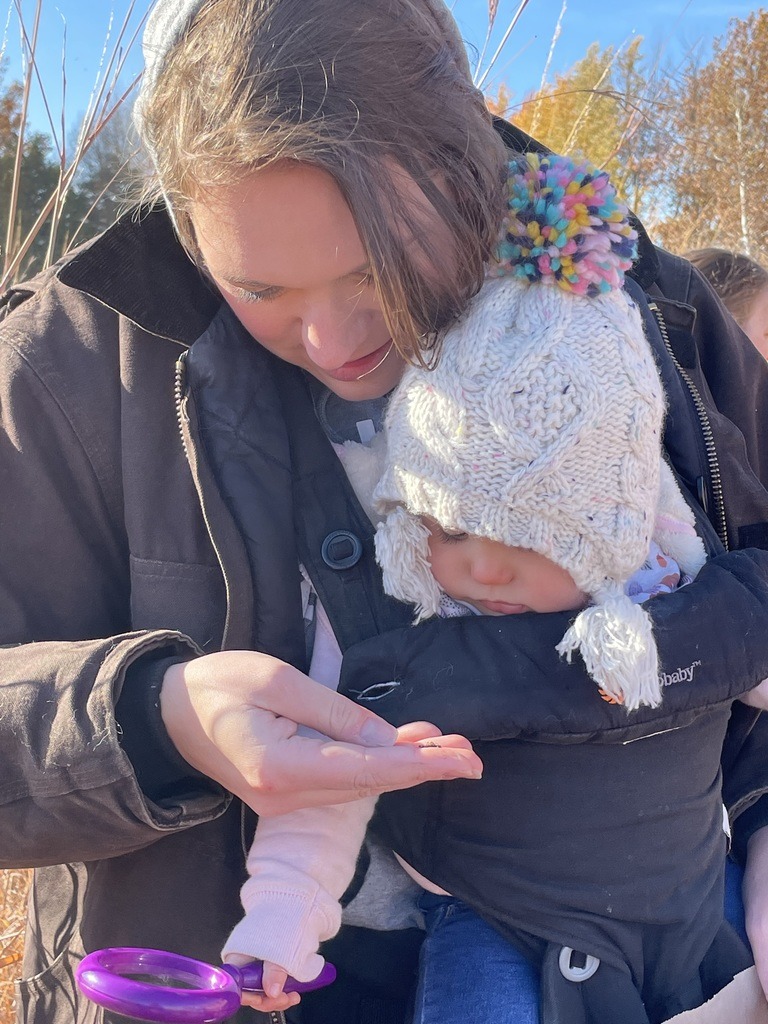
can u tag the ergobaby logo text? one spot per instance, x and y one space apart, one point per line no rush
680 675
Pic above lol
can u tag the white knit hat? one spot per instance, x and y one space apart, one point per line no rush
540 426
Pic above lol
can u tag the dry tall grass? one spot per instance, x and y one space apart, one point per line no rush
107 97
13 899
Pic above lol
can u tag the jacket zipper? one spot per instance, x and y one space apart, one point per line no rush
715 480
183 420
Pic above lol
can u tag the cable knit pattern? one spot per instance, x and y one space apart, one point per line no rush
540 428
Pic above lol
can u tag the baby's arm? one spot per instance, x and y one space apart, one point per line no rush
299 866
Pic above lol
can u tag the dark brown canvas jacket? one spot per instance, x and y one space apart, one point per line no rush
120 530
101 529
120 550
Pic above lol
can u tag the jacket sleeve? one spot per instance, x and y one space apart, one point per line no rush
300 864
501 677
68 791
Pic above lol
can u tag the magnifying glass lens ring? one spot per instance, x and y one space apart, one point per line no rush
108 977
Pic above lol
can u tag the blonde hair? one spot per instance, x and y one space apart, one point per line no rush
356 88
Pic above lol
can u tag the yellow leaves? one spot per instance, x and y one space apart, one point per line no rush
686 151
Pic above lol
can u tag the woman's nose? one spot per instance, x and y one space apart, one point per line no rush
333 332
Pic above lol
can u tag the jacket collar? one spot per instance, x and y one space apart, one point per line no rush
139 268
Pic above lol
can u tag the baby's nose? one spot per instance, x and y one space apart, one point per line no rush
490 572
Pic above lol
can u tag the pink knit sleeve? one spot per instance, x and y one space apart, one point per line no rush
299 866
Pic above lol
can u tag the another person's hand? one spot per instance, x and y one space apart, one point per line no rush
232 715
273 999
755 894
757 698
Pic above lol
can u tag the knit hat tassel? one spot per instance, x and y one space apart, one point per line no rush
402 551
615 640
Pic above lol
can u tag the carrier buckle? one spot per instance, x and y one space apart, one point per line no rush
573 972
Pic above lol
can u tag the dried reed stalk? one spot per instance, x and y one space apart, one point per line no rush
14 885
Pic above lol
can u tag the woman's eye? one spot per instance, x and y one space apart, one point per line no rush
261 296
361 281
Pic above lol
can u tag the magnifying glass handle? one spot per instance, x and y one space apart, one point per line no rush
250 977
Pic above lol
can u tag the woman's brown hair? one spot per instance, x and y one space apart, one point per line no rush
736 278
360 89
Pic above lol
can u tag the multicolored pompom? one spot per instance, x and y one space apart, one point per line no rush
564 226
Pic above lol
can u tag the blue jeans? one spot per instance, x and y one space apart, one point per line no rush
468 972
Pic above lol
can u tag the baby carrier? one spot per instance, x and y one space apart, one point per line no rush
597 851
618 893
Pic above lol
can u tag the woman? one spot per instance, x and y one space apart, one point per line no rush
742 284
333 174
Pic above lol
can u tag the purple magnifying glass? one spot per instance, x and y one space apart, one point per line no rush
158 986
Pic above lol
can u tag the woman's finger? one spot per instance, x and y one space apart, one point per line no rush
363 770
412 732
293 695
231 715
450 742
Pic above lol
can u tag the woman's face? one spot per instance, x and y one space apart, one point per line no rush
755 326
284 250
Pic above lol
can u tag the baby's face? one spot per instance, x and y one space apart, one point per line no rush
497 579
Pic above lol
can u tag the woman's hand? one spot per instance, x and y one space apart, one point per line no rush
232 715
755 893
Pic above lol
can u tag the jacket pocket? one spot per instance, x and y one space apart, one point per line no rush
190 598
52 997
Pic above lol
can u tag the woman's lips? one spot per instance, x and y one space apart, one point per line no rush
503 608
357 368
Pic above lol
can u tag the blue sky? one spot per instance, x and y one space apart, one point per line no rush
672 26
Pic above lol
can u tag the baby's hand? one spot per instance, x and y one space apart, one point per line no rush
272 999
757 698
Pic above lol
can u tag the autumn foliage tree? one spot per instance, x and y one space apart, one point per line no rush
685 148
718 128
599 109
